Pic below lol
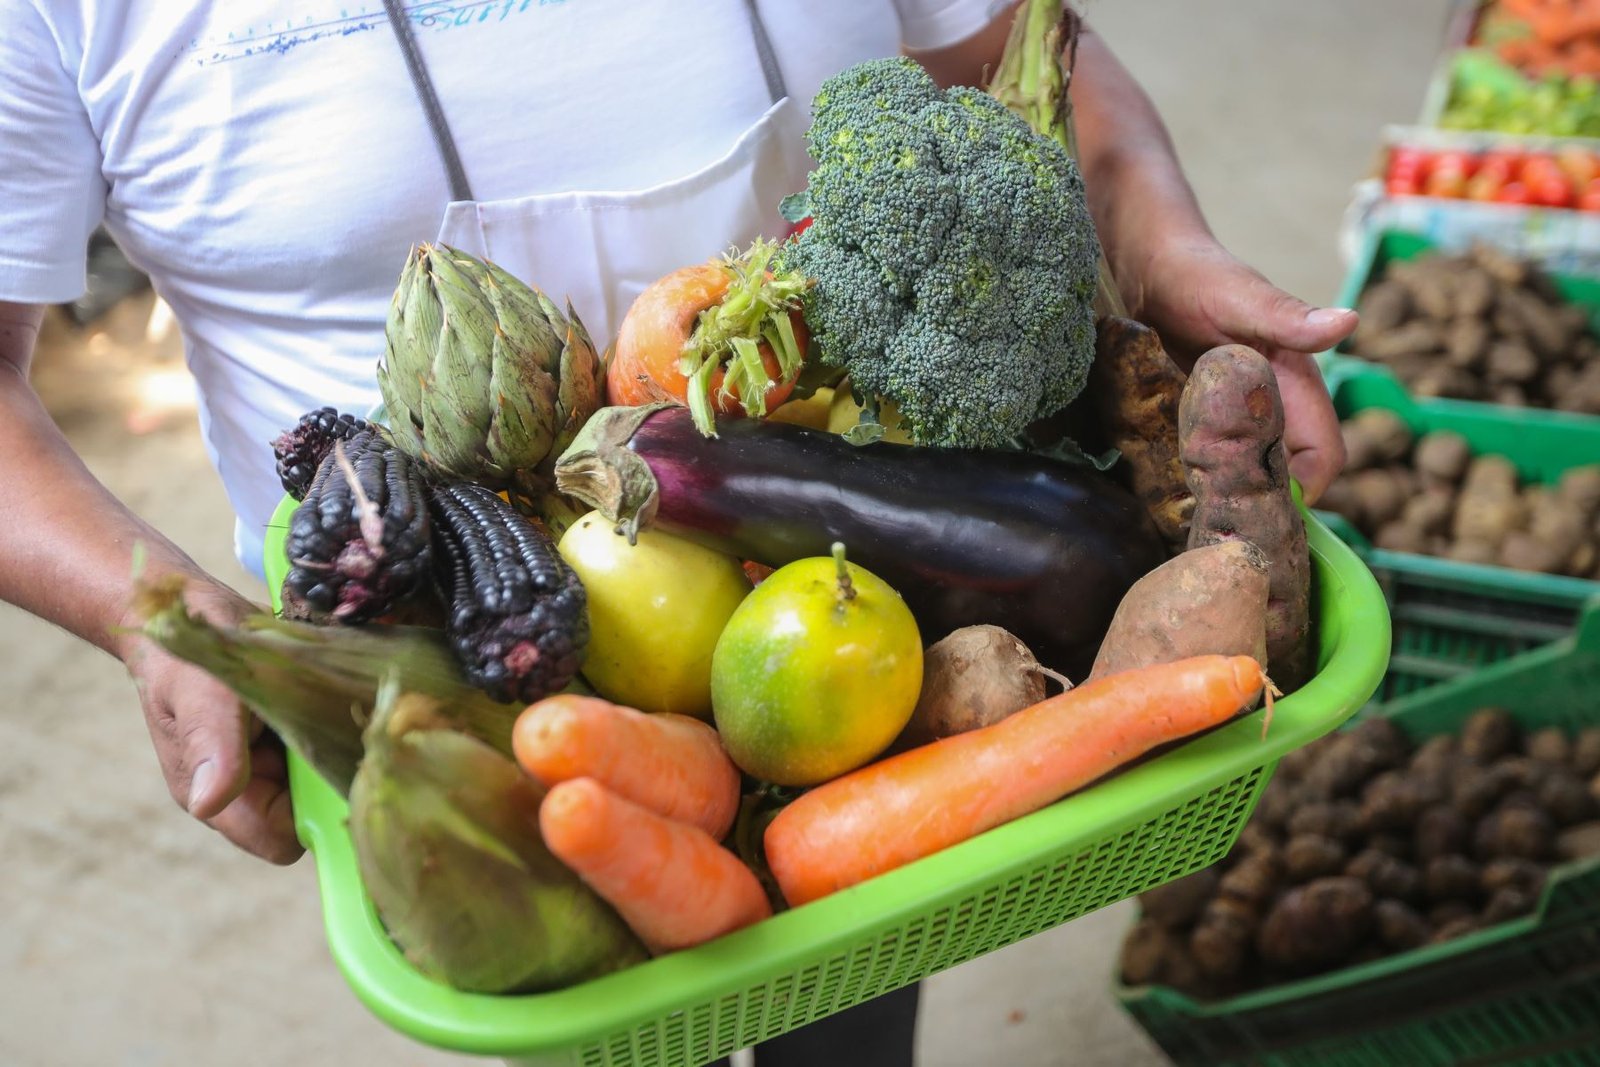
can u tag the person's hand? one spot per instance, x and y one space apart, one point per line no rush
1196 296
220 766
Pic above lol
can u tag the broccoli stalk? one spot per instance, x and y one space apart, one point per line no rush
1032 80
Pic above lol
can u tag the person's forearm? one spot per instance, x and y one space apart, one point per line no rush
1130 169
66 544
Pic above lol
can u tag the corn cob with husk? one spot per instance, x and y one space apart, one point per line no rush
446 838
483 377
315 686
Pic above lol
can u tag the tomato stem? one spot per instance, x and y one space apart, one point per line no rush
847 588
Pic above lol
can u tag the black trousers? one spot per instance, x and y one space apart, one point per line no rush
875 1033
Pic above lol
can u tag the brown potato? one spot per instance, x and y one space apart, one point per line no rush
1580 487
1379 434
1382 496
1443 454
1489 506
1316 924
972 678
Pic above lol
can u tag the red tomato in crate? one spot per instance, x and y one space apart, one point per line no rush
1407 159
1540 170
1552 191
1404 184
1500 165
1407 168
1581 166
1589 199
1485 186
1455 162
1446 183
1514 193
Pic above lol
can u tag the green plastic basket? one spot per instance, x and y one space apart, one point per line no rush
1454 618
1379 249
1161 819
1523 992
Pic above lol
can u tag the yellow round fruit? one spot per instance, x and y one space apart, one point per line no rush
815 674
812 412
844 413
656 609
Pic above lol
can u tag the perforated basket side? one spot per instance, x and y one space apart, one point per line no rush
1178 841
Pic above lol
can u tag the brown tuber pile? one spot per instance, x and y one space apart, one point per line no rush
1365 844
1432 496
1480 326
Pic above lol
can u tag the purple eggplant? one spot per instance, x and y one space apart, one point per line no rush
1043 548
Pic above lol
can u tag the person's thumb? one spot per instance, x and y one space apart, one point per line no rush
212 730
1251 307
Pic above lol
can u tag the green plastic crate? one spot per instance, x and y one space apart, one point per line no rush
1451 618
1523 992
1158 820
1382 247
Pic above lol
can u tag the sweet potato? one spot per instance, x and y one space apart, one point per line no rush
1230 424
1204 601
1136 389
973 677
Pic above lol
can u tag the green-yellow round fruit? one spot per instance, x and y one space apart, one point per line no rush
656 609
844 413
808 682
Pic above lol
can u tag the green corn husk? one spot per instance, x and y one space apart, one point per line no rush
1032 80
316 685
446 836
483 377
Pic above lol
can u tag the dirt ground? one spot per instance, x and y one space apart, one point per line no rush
131 937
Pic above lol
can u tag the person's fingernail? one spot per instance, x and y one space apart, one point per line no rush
1326 316
200 784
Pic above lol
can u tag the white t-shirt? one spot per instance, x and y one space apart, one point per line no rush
268 164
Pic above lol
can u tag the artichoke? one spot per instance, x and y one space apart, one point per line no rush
483 377
446 835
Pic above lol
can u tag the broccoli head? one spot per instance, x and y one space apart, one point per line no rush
952 255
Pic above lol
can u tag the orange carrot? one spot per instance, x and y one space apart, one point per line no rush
671 764
912 805
671 882
724 336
